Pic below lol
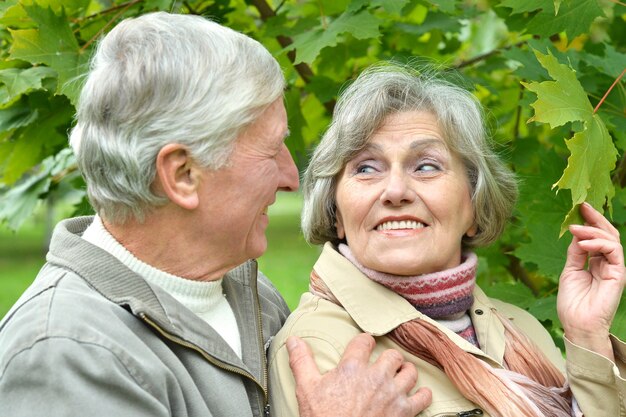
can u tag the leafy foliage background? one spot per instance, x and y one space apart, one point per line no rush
540 67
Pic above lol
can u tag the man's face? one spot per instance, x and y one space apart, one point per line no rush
234 199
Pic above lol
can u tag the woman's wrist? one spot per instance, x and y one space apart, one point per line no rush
599 343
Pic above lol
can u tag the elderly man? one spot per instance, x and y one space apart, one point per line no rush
155 307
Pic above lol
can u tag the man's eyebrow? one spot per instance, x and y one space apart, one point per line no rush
286 135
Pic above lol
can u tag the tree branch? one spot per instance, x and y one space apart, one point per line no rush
486 55
188 6
305 72
609 90
266 13
109 23
520 274
107 11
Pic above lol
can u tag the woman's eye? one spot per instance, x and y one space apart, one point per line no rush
365 169
428 166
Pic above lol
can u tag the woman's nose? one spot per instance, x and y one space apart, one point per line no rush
398 190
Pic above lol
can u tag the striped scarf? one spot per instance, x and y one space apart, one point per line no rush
444 296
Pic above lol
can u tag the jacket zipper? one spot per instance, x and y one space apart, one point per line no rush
266 407
470 413
209 358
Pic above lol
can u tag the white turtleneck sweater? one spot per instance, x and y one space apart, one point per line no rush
204 298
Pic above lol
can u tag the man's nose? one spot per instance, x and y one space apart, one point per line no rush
289 177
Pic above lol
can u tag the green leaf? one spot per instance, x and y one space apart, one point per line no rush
592 159
612 63
512 292
58 5
52 43
324 88
545 249
434 21
592 153
541 212
560 101
572 17
333 7
362 25
557 5
446 6
545 309
19 202
5 5
37 140
528 5
151 5
527 66
391 6
12 14
18 115
618 127
21 81
297 122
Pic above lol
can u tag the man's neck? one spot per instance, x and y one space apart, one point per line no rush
166 241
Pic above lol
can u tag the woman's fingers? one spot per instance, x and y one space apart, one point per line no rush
596 219
591 241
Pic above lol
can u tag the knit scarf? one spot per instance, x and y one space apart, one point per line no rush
529 385
445 296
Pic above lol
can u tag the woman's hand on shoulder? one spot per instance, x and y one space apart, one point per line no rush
592 282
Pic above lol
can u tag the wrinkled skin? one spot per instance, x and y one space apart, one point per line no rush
592 282
356 387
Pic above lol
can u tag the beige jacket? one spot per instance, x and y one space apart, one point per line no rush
597 383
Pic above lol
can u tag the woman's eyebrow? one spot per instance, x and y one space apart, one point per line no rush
427 142
372 147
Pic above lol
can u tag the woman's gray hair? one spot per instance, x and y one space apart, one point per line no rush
165 78
389 88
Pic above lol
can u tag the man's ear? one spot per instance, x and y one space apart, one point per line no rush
178 176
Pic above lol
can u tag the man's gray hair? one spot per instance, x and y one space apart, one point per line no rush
164 78
389 88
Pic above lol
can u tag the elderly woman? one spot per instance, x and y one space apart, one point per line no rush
399 190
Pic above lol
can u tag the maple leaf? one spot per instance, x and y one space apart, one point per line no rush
17 81
552 16
592 153
361 25
52 43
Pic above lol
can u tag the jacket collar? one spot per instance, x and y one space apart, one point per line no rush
378 310
117 283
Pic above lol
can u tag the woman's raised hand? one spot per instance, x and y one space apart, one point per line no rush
592 282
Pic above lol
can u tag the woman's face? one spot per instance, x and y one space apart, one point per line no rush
403 203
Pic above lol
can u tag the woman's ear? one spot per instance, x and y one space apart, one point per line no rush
341 232
472 231
178 176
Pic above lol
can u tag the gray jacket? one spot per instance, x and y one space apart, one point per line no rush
90 337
